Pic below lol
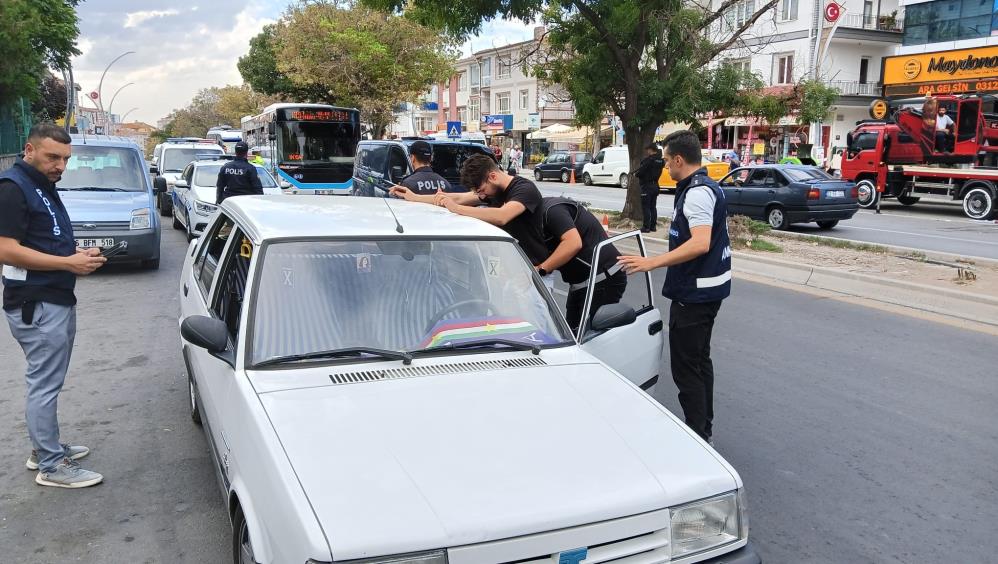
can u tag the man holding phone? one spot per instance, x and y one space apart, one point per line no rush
41 263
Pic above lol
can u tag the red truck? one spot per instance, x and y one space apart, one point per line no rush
900 157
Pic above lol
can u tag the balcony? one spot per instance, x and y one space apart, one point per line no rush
885 27
855 92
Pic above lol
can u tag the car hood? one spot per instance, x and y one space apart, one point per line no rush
439 461
103 206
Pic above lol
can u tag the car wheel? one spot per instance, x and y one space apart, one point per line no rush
538 176
867 194
828 224
907 200
176 220
979 203
623 181
165 205
193 388
586 179
152 264
777 218
242 546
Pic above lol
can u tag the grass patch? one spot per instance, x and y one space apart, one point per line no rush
837 243
764 245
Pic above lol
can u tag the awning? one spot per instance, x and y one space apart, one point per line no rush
664 130
546 132
755 122
576 135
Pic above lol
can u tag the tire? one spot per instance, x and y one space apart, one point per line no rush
777 218
868 195
242 545
565 176
586 179
538 176
152 264
165 204
176 221
828 224
623 180
979 203
193 389
906 200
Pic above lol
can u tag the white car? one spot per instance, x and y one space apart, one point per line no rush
610 166
174 157
383 381
194 194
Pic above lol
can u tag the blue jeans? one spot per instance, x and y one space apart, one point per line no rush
47 344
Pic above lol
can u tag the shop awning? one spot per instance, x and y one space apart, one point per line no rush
576 135
546 132
756 122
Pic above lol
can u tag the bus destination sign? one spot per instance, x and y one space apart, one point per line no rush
318 115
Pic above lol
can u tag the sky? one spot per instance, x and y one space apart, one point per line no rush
183 46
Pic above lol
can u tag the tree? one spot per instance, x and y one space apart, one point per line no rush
34 35
215 106
348 56
51 103
646 61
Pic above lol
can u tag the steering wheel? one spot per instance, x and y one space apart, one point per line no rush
485 304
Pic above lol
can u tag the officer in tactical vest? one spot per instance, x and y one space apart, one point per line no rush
41 263
423 180
698 278
237 177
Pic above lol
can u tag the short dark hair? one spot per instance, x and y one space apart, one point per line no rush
684 143
476 170
49 130
654 147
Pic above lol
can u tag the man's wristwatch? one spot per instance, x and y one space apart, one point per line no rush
541 271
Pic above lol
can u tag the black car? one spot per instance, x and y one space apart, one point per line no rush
785 194
559 165
381 163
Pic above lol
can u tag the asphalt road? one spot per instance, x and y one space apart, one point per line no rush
932 227
861 436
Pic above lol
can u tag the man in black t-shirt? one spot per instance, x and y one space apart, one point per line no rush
513 203
423 180
571 234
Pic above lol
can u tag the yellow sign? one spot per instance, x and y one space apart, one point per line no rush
942 66
878 109
759 148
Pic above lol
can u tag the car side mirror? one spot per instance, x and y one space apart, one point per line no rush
208 333
153 169
613 315
180 183
159 185
849 139
284 184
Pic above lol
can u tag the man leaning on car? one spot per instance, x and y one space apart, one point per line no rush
41 263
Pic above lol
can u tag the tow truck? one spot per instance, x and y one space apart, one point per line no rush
898 157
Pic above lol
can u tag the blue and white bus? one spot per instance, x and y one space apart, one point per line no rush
312 146
225 136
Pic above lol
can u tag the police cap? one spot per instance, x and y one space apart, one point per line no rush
241 148
422 150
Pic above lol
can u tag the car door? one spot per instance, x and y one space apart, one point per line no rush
398 165
597 168
757 191
180 194
732 186
634 350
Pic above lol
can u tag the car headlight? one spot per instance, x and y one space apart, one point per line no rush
438 557
140 219
205 209
708 524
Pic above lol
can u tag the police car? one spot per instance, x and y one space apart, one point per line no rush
383 381
194 193
174 156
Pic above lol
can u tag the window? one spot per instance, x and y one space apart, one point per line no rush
788 10
503 68
743 66
473 112
524 99
864 69
462 81
462 115
372 157
502 103
476 72
210 253
232 284
486 71
424 124
783 69
947 20
739 13
865 141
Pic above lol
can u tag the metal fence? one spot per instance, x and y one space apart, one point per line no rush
893 23
15 123
855 88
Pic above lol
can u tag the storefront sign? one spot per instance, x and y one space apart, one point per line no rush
497 122
533 122
758 148
878 109
752 121
943 72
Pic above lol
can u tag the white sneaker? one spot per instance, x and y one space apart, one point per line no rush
68 474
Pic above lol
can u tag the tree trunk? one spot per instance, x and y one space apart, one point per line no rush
637 140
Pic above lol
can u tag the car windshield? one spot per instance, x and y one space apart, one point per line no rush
317 143
115 169
399 295
449 158
806 174
207 175
174 159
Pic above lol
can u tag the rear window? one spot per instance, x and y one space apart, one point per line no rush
176 158
806 174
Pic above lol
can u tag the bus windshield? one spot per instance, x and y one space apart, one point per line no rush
317 143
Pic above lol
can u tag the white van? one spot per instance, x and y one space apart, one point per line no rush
610 166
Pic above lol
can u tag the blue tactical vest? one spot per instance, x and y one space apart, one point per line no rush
50 230
706 278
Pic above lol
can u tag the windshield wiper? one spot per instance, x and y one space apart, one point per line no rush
93 189
488 343
405 357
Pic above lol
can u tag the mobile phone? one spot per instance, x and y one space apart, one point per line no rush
115 249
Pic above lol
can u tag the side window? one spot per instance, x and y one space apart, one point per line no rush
210 253
188 173
599 157
777 178
398 164
228 301
966 127
759 177
632 290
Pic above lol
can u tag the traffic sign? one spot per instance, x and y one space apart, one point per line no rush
454 129
832 11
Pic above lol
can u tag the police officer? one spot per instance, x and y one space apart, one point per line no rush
572 233
698 278
256 158
423 180
648 173
237 177
41 263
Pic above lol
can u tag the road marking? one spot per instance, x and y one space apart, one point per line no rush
975 241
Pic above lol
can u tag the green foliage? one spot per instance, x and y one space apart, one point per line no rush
51 103
814 100
348 56
214 106
34 35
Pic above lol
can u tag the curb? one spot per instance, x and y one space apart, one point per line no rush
934 255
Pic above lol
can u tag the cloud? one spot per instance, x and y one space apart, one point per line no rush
135 19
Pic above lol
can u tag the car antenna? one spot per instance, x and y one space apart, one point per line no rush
398 226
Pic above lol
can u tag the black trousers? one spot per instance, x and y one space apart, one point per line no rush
690 328
608 291
649 207
944 142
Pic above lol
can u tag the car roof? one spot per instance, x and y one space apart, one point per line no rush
103 141
311 217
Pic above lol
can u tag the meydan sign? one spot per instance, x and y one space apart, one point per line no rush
952 66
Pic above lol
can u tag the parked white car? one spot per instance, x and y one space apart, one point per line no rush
610 166
382 381
174 157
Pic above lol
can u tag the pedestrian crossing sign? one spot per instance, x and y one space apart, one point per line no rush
454 129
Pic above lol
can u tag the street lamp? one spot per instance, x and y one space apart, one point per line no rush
100 97
115 95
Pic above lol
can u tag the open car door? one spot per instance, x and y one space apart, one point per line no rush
627 336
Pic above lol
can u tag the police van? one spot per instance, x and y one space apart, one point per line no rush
381 163
175 155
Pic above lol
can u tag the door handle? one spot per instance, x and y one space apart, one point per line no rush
655 327
772 191
185 288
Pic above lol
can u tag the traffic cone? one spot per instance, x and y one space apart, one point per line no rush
606 223
571 176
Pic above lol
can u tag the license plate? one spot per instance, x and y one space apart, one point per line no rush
835 194
88 243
